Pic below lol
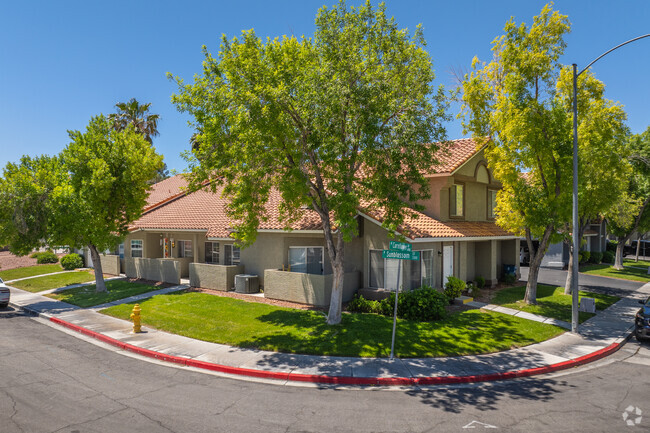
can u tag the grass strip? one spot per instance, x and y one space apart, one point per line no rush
85 296
39 284
29 271
551 301
627 273
266 327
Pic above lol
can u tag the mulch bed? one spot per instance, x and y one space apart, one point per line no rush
11 261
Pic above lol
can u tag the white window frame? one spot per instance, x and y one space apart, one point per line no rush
230 256
402 276
322 255
214 252
183 250
492 214
139 242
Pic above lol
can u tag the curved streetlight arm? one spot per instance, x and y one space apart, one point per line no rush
616 47
576 231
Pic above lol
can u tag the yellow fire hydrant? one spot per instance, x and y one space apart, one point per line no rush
135 316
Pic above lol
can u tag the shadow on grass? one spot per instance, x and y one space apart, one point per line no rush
487 397
368 335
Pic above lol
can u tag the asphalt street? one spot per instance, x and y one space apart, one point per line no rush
51 381
609 286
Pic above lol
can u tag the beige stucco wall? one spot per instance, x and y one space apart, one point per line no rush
166 270
217 277
110 264
306 288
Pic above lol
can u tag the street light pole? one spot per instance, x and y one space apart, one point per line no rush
575 231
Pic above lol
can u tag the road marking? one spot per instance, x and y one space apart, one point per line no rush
478 424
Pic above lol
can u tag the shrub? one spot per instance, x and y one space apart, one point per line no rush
608 257
72 261
46 257
359 304
480 282
35 255
509 278
453 288
611 246
596 257
584 256
423 305
473 290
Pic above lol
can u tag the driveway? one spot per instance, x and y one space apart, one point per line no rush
592 283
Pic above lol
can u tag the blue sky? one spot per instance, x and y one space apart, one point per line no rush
65 61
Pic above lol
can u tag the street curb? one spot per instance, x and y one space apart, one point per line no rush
347 380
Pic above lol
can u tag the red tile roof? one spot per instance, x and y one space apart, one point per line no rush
166 189
454 153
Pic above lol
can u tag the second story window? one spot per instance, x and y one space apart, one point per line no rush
457 200
492 204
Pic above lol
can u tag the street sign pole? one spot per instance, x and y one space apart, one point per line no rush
392 343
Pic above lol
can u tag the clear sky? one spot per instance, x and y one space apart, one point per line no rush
62 62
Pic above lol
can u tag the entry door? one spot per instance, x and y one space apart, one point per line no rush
447 263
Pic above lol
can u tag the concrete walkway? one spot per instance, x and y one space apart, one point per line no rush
598 336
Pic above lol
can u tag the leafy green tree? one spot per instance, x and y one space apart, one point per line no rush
515 107
332 122
603 167
108 187
632 215
136 114
26 190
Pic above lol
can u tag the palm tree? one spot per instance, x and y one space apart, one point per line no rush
132 113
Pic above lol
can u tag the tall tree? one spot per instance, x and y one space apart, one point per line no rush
633 213
514 102
136 114
603 169
26 191
108 187
306 116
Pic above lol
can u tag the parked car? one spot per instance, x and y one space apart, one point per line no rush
4 294
630 250
642 321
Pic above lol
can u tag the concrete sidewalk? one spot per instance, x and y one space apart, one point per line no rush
598 337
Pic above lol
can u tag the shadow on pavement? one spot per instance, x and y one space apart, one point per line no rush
486 397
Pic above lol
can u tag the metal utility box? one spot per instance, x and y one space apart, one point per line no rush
247 283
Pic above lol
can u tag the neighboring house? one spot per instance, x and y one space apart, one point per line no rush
594 240
189 236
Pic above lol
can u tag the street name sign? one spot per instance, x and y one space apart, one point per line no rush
400 255
399 246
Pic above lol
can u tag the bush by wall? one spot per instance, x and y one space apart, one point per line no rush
596 257
611 246
453 288
46 257
608 257
480 282
423 305
584 256
72 261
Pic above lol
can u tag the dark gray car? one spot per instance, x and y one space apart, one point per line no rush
642 321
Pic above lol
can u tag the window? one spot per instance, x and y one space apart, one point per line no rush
308 260
120 251
136 248
492 203
185 249
383 272
232 255
212 252
456 200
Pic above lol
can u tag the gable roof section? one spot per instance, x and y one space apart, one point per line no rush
454 153
165 190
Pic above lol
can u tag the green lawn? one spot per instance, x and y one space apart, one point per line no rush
85 296
266 327
639 264
29 271
551 301
38 284
627 273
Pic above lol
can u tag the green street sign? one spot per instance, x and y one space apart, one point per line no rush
399 246
401 255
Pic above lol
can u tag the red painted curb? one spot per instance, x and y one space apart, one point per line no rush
344 380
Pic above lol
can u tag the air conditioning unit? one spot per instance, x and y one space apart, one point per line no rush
247 283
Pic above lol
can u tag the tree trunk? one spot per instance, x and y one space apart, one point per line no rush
99 275
638 248
535 263
338 270
618 262
567 284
